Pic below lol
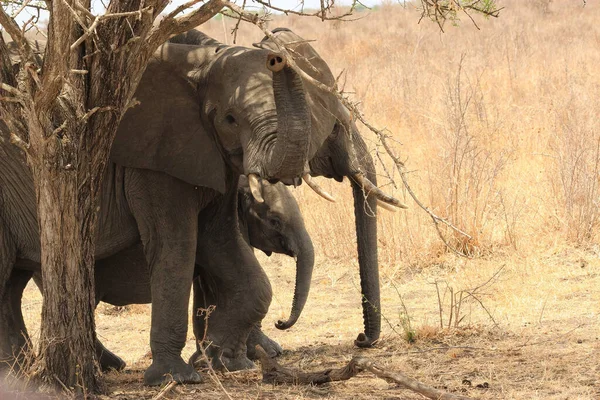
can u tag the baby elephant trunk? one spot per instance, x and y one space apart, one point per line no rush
305 260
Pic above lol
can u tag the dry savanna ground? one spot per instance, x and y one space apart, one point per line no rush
500 134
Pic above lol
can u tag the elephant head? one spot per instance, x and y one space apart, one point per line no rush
266 124
276 226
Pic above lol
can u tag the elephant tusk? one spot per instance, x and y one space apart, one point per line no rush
369 187
386 206
314 186
256 188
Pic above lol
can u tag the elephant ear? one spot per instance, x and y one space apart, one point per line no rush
165 133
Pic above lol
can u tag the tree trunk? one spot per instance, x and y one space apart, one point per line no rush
67 185
67 240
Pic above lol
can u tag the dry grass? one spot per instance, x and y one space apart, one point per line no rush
499 128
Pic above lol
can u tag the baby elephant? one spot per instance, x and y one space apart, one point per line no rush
274 226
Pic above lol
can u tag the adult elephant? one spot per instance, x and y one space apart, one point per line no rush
208 113
344 154
273 226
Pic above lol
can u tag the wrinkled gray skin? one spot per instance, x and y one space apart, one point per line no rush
275 226
208 113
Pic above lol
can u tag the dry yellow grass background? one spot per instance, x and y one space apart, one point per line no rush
500 132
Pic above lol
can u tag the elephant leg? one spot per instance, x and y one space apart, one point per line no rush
15 339
204 296
170 284
8 259
166 211
258 337
202 299
240 291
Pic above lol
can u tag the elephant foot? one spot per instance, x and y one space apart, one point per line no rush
108 360
365 342
225 360
162 371
257 336
233 364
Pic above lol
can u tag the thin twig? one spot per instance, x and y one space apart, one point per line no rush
164 391
18 11
440 305
322 13
235 29
92 29
95 110
13 30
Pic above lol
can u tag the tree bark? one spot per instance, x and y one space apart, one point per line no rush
67 239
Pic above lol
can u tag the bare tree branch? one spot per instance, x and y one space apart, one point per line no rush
323 13
171 26
92 28
12 28
75 15
21 8
182 8
12 90
25 4
408 382
441 11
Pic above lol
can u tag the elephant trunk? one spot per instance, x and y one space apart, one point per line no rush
365 212
289 152
305 260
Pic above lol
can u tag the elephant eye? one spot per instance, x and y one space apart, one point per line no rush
230 119
275 223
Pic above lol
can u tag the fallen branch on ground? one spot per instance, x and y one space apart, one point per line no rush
276 374
165 390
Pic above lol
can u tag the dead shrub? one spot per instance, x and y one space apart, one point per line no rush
575 147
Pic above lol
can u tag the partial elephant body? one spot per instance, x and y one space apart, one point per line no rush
117 229
124 278
141 204
127 215
135 206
